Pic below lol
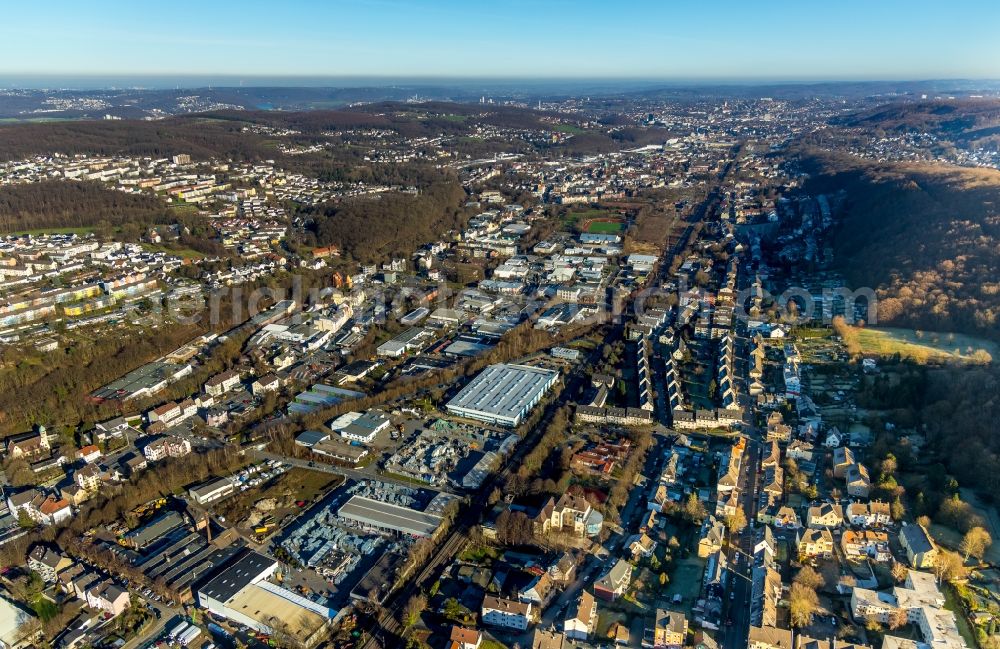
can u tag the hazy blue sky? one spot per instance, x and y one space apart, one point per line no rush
790 40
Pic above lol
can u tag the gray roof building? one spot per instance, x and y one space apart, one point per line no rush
503 394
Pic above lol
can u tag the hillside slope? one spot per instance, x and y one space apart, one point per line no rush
970 122
926 237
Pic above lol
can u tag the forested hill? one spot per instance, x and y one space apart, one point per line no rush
391 225
927 237
967 122
74 204
222 134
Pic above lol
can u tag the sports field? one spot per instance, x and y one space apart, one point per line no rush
604 227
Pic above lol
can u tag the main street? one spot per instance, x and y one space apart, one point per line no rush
740 555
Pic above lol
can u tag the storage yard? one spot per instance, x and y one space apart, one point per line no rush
451 453
338 541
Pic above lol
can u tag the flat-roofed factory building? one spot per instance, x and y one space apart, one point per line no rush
242 592
371 514
503 394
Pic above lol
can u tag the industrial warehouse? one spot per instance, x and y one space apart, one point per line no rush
243 594
368 513
503 394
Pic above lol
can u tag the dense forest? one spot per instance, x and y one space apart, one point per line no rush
376 229
198 136
926 237
954 409
70 203
961 409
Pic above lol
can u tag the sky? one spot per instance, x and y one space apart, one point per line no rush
773 40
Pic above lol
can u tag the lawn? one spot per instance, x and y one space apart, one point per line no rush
922 347
604 227
479 554
569 128
685 579
183 253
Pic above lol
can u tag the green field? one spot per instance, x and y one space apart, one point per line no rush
569 128
604 227
922 347
571 218
183 253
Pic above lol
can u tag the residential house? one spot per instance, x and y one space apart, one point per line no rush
921 551
869 514
641 546
834 438
167 414
614 582
265 384
859 484
545 639
574 514
772 485
777 430
866 543
871 605
47 562
463 638
88 477
506 613
53 511
165 447
22 501
563 570
132 463
770 637
765 593
814 543
825 515
801 451
773 457
668 631
786 518
581 620
108 597
843 458
222 383
765 547
89 454
713 536
537 590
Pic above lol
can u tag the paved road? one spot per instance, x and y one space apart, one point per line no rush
741 556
